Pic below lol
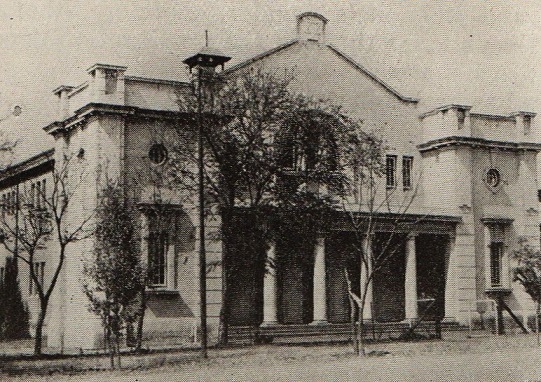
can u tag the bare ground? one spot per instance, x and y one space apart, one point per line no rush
457 358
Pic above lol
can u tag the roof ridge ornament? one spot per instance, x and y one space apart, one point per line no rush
311 27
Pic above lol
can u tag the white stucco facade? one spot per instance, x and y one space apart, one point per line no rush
111 121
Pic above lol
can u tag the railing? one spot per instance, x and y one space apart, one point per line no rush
481 307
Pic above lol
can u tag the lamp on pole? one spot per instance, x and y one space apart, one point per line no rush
205 63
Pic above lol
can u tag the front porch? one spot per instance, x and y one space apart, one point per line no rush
304 292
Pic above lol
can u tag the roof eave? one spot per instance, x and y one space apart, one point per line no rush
362 69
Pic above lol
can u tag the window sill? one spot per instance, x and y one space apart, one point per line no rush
498 290
160 290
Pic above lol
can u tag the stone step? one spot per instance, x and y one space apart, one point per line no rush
326 333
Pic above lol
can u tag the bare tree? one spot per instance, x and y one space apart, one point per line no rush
371 201
267 150
36 217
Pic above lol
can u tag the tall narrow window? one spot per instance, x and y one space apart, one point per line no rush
496 252
2 275
43 193
391 171
33 194
407 167
38 194
157 258
39 272
14 205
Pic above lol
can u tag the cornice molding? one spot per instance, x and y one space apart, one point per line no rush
91 109
477 142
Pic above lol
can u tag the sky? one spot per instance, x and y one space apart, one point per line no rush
477 52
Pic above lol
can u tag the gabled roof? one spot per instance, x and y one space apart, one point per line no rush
260 56
362 69
333 49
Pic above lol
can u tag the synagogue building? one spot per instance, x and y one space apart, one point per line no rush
471 179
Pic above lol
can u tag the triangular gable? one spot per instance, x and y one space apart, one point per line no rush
337 52
260 56
362 69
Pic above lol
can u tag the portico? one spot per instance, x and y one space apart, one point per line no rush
309 287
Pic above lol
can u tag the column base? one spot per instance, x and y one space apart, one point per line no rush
266 324
410 321
449 320
319 322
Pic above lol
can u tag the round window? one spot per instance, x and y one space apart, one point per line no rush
493 178
157 153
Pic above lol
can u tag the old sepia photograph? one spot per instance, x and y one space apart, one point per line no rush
342 190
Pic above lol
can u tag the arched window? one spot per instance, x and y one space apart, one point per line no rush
308 142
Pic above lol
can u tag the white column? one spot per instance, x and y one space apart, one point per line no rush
320 283
451 281
366 270
270 288
411 279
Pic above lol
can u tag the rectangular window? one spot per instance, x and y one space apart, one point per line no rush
39 272
13 201
43 193
157 258
391 171
2 274
407 167
496 253
38 194
33 194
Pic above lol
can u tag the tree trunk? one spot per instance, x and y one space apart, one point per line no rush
117 349
39 328
223 324
537 312
111 347
362 352
140 320
499 313
354 337
104 339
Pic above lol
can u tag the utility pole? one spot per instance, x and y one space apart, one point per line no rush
205 62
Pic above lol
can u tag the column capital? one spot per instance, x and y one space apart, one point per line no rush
412 235
320 240
322 233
